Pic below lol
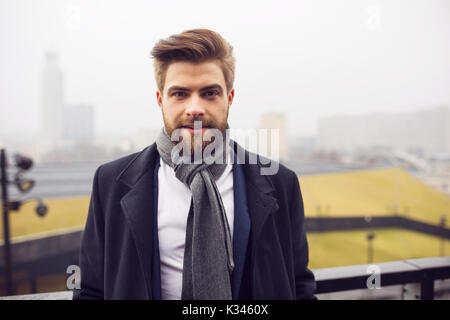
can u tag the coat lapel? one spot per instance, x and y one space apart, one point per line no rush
138 205
261 204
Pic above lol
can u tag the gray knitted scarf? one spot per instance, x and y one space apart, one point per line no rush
208 254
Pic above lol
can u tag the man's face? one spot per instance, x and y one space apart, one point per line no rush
194 92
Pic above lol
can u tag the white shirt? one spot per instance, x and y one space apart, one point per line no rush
174 199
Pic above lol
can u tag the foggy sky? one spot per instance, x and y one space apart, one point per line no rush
306 58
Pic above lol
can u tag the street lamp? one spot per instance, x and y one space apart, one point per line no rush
24 185
442 222
370 237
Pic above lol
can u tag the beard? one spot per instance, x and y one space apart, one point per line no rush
196 141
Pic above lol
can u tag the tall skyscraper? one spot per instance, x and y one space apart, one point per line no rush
52 103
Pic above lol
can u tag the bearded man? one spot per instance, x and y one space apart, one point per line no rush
169 223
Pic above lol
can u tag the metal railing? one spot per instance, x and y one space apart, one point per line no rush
417 276
327 224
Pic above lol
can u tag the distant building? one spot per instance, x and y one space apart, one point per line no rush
78 124
51 104
275 120
301 145
424 131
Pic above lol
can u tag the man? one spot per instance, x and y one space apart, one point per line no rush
162 229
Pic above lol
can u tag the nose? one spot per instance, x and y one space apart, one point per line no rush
194 108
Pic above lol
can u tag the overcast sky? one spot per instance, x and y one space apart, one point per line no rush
305 58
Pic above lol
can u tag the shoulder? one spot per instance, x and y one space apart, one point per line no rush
266 174
271 177
113 168
272 169
132 165
284 180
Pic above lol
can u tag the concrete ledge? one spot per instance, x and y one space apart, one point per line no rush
62 295
334 280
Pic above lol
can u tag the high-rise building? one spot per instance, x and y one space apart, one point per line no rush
52 104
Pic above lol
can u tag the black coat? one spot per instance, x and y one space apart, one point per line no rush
117 244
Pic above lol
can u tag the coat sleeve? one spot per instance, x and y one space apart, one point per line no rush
305 283
92 249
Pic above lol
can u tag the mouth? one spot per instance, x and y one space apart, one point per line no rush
191 129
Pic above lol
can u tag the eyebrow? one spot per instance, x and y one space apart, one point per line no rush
178 88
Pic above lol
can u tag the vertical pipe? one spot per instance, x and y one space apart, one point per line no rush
6 244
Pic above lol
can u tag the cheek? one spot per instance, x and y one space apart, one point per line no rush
220 105
174 116
169 110
224 107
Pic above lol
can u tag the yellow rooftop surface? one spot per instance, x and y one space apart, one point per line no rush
373 193
343 248
361 193
358 193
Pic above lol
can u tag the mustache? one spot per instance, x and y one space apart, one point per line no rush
190 123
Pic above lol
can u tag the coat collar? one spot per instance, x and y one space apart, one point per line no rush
141 164
138 203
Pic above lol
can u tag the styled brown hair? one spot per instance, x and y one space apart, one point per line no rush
197 45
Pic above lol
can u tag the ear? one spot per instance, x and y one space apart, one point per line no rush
159 98
230 97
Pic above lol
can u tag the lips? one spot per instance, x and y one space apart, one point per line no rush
190 128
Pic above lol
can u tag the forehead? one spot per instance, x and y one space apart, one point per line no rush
194 75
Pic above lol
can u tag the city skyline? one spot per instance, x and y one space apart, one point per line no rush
425 131
357 58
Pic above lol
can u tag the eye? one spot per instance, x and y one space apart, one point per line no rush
211 93
179 94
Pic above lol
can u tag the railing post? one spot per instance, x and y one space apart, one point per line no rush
411 291
427 287
6 235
